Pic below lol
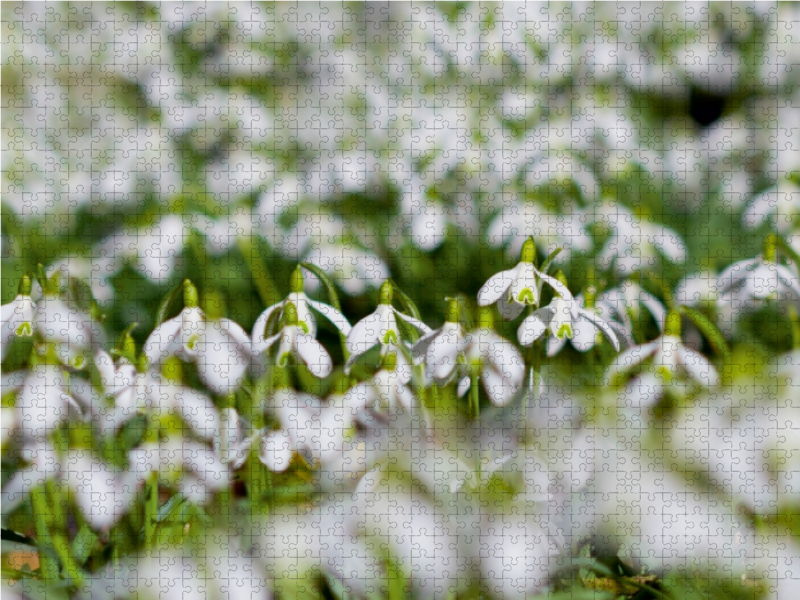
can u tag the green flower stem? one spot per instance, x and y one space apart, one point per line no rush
263 280
260 480
794 317
49 564
151 510
474 395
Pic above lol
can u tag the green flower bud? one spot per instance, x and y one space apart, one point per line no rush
190 296
770 250
386 293
297 282
561 278
25 285
485 317
673 325
452 310
528 254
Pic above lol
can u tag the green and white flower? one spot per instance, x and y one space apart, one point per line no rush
519 287
221 348
17 317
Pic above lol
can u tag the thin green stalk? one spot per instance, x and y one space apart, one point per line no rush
151 510
794 317
474 395
41 513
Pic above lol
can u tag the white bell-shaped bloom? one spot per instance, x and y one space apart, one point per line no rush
304 426
670 358
380 328
305 318
43 401
221 348
517 288
443 348
502 367
17 317
758 279
294 341
621 306
567 320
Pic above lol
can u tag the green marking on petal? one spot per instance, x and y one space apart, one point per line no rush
192 343
526 296
564 331
25 329
290 314
390 338
79 362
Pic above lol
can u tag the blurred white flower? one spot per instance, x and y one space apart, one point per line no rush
443 349
44 463
634 241
621 306
307 427
758 279
103 493
780 204
500 365
43 400
518 287
221 349
670 357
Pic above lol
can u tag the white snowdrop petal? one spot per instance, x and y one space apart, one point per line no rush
531 329
163 341
314 355
276 451
698 367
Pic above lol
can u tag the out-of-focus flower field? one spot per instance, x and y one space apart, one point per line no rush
400 300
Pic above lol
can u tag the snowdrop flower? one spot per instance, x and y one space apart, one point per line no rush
103 494
305 318
760 278
380 328
443 348
779 204
221 349
304 424
44 464
620 306
584 323
231 441
17 316
129 388
518 287
634 241
387 389
43 400
294 341
670 356
494 360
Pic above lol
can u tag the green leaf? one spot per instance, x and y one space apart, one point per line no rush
163 307
261 275
708 329
334 298
83 543
788 251
330 287
549 260
407 303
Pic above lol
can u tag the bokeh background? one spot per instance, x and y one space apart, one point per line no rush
145 143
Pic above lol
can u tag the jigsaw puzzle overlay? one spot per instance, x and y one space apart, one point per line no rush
400 300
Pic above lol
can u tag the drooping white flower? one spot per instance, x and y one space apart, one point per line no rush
500 365
17 317
306 426
621 306
759 278
443 348
380 328
582 324
221 348
518 287
670 357
294 341
43 401
387 389
305 318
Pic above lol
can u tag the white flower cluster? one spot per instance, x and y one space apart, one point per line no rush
381 442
